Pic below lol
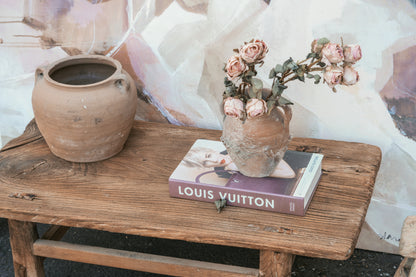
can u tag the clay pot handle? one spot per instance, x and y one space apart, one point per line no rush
122 82
286 114
39 73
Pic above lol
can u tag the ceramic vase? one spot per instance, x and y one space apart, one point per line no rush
84 107
256 145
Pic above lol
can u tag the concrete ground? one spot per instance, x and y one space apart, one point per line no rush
362 263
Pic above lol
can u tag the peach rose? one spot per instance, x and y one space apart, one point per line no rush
235 67
350 76
352 53
256 107
254 51
233 107
333 52
333 75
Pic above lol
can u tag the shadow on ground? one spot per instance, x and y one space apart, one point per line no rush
362 263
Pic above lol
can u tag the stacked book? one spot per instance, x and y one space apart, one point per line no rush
207 173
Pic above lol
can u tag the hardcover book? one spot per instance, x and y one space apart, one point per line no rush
207 173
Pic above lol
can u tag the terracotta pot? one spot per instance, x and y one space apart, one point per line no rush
84 107
257 144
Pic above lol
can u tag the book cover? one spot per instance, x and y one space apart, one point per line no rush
207 173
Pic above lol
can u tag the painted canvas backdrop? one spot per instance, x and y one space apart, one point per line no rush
175 51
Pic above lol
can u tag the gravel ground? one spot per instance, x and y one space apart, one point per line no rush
362 263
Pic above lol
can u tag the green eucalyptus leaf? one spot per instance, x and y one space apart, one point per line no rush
257 84
275 89
293 66
322 64
279 68
310 76
272 74
278 89
231 89
288 61
220 204
290 64
301 78
228 82
270 105
323 41
283 101
251 92
246 79
250 73
317 78
312 55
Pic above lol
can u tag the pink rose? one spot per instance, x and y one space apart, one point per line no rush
352 53
254 51
233 107
256 107
350 76
333 75
333 52
235 67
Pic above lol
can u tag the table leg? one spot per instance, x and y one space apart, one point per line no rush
22 236
275 264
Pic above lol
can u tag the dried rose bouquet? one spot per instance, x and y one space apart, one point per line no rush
244 95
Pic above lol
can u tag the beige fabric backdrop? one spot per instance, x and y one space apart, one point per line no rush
175 50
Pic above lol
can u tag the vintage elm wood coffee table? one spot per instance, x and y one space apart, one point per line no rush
129 194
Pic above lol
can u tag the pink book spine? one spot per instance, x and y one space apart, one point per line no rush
248 199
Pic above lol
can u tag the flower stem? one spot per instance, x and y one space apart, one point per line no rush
316 69
301 62
313 63
291 79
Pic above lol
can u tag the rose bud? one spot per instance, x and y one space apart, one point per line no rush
333 75
233 107
256 107
350 76
235 67
315 47
333 52
352 53
254 52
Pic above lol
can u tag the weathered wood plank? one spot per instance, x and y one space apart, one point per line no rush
22 237
136 261
408 237
55 232
129 194
273 264
406 268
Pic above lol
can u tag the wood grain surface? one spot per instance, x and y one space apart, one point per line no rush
22 237
129 194
408 237
137 261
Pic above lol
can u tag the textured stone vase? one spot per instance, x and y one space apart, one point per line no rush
257 144
84 107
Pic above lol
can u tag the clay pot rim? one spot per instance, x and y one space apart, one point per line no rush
80 59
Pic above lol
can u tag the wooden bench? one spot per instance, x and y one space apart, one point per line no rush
129 194
407 267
